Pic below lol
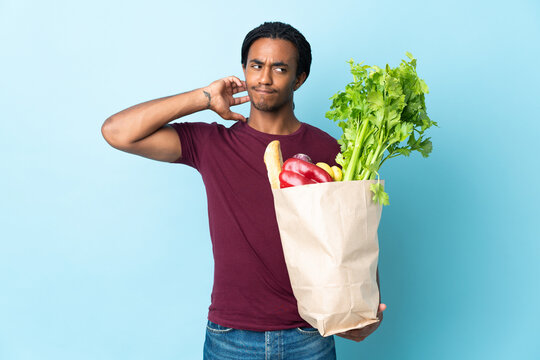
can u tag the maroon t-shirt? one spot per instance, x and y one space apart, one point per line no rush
252 290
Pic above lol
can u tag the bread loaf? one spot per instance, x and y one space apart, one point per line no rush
274 162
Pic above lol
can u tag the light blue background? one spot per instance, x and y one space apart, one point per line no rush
107 255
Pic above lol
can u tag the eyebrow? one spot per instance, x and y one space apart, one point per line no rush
259 62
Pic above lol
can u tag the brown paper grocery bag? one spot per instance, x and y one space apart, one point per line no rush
329 238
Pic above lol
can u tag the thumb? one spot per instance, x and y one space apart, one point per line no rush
382 307
235 116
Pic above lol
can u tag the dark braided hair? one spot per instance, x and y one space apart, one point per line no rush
279 30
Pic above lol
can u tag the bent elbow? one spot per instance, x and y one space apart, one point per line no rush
107 131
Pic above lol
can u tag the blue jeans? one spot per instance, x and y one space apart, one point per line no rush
225 343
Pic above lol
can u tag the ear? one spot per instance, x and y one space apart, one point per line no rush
299 80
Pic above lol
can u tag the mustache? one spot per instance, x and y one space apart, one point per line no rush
263 89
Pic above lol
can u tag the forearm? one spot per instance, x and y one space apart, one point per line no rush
378 285
141 120
380 314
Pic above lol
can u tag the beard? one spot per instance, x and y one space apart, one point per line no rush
264 105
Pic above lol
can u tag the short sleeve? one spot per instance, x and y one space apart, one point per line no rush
193 136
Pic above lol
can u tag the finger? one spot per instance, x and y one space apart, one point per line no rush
239 83
237 89
236 80
382 307
240 100
229 87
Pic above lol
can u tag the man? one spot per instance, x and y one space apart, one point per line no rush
253 312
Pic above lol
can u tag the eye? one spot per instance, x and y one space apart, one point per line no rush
281 69
255 66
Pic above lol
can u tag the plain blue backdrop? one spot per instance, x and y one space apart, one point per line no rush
107 255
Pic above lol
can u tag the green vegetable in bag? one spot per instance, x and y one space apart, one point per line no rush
383 115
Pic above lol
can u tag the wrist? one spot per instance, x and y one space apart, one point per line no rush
207 95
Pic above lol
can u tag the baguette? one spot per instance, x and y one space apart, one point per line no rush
274 163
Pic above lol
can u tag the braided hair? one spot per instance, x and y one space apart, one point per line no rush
279 30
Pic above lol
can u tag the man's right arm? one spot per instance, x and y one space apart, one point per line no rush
143 128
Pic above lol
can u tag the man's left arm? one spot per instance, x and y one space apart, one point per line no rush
360 334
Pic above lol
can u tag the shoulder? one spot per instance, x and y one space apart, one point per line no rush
197 129
196 125
322 135
320 145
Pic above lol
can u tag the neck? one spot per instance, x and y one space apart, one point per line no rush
280 122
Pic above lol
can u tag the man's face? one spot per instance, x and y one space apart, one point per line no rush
270 73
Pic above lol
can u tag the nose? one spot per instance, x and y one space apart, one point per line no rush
266 76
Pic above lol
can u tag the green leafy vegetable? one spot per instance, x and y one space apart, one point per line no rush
380 195
383 115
